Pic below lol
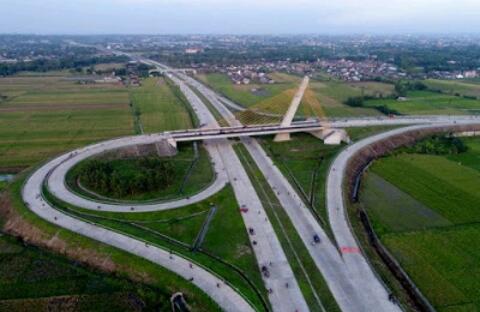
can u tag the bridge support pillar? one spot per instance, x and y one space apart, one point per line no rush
282 137
332 136
167 147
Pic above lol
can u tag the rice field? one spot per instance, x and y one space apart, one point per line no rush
160 107
429 220
429 103
44 116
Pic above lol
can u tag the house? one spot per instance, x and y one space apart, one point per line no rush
470 74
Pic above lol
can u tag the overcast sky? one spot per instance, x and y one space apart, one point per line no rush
239 16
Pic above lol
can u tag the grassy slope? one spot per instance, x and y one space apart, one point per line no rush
439 254
305 155
45 116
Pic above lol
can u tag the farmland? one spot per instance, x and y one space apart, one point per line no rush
333 94
31 279
43 116
322 98
160 108
428 219
452 86
243 94
429 103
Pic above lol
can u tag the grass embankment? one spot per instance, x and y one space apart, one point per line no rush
226 249
425 210
310 280
429 103
19 220
190 174
43 116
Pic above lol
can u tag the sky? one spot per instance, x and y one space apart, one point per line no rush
239 16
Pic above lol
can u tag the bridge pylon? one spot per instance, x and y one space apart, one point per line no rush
292 110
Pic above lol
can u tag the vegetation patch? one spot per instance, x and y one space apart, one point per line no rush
45 116
425 210
392 210
445 186
127 177
160 107
243 94
427 103
438 145
143 178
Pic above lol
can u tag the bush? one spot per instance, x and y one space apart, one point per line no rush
439 145
355 101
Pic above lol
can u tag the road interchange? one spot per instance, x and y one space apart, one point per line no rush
349 276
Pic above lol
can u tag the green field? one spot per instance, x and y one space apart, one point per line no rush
161 107
31 279
429 103
44 116
322 99
333 94
429 219
243 94
454 86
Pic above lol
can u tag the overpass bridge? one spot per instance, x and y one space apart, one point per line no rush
318 128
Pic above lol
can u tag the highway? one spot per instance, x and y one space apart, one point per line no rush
284 291
343 278
350 278
225 296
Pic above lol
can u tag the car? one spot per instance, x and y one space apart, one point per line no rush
265 271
